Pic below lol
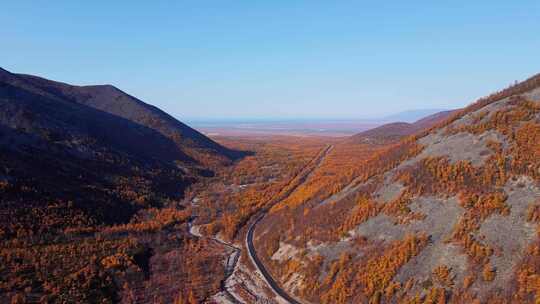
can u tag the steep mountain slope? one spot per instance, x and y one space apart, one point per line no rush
59 148
87 196
44 120
109 99
397 130
449 215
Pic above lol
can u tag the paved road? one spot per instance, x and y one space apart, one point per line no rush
260 266
232 261
297 181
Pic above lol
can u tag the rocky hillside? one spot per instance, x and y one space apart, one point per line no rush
449 215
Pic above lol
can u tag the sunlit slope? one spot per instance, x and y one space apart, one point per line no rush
450 214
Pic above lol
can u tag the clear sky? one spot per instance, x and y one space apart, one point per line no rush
278 59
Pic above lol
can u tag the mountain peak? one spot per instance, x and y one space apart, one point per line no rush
109 99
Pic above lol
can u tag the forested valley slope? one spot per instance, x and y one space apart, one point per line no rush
449 214
91 188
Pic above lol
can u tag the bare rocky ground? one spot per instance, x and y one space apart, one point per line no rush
389 192
461 146
441 217
509 235
330 252
285 253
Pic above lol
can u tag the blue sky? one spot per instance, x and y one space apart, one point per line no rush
278 59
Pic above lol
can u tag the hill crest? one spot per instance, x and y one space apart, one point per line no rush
112 100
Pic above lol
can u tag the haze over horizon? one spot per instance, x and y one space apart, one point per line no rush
278 61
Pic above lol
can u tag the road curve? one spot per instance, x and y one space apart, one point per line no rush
259 265
297 181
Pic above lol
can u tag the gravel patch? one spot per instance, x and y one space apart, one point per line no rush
294 283
490 109
389 189
441 215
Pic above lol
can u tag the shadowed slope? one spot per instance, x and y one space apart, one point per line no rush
110 99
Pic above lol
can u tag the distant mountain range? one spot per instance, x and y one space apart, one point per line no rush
410 116
310 127
396 130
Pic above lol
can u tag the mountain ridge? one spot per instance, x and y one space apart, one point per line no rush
112 100
63 142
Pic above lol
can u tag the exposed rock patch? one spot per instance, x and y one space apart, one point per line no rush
389 190
351 188
533 95
380 227
460 146
509 234
441 216
285 252
435 254
389 193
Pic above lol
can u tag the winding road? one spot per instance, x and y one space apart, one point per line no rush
296 182
232 261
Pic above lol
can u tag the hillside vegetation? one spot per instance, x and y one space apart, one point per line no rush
106 199
449 215
91 186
